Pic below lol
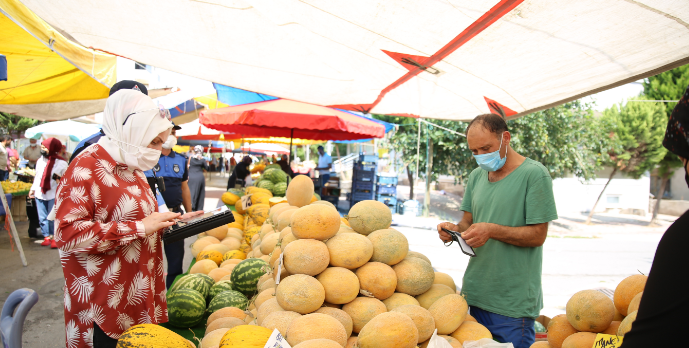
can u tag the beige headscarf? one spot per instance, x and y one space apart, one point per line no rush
128 143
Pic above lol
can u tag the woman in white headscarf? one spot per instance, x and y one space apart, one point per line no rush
108 229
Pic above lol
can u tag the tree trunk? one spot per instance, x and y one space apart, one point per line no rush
429 170
659 196
410 176
588 219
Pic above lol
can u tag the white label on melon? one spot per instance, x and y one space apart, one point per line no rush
277 278
277 341
246 202
438 342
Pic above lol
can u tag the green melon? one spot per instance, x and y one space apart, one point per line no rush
194 282
275 175
185 308
229 298
265 184
279 189
223 285
277 166
245 275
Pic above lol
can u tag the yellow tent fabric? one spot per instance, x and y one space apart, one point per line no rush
49 76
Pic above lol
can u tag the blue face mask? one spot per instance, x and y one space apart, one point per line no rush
491 161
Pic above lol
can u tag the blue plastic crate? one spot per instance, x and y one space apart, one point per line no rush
368 167
387 180
362 186
387 200
386 190
361 196
331 199
362 175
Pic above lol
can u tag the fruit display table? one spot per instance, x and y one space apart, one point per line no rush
19 210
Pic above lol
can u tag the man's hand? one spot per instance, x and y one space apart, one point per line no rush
444 236
32 194
478 234
157 221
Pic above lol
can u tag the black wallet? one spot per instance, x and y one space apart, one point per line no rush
209 220
457 237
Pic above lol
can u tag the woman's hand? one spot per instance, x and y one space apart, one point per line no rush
189 216
157 221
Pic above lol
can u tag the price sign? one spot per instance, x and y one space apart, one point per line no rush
246 202
607 341
277 341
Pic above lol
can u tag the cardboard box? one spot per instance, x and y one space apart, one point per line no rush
544 321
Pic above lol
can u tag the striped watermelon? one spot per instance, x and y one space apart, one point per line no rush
223 285
228 298
245 275
196 282
185 308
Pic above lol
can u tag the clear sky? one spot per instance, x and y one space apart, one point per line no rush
615 95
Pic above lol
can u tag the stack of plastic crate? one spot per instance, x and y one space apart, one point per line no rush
363 182
386 190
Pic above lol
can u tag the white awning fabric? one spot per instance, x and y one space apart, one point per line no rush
435 59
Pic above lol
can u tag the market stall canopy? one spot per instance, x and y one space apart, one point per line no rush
195 131
290 119
76 131
49 76
437 59
265 148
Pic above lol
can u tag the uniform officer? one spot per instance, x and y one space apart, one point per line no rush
172 168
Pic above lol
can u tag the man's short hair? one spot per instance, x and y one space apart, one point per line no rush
6 138
491 122
320 147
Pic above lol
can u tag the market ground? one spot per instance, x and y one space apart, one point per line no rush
576 257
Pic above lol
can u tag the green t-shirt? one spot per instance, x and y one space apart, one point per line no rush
504 278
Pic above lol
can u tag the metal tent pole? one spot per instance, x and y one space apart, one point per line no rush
291 136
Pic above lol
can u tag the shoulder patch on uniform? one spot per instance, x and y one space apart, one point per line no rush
175 168
157 167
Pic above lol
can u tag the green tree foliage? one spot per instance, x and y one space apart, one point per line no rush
15 125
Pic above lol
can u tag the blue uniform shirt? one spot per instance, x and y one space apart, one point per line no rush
173 169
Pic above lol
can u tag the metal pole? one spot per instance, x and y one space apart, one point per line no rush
429 164
291 136
418 145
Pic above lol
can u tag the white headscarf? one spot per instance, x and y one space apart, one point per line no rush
128 144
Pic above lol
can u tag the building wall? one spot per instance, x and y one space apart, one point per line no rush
678 186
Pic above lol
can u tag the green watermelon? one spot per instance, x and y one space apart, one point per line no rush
245 275
271 166
279 189
265 184
194 282
229 298
275 175
236 191
185 308
223 285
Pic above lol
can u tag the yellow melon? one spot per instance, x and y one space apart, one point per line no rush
389 246
300 293
362 310
318 343
470 318
203 266
580 340
454 343
313 326
232 243
277 200
414 276
368 216
230 261
265 258
224 323
559 329
299 191
268 284
239 208
626 290
626 324
422 318
219 273
274 255
419 255
306 256
265 229
276 211
332 305
377 279
229 267
341 285
269 306
449 312
444 278
345 229
315 222
288 238
264 277
234 254
238 217
268 243
227 277
340 315
280 320
351 342
325 203
227 312
245 336
613 328
470 331
590 311
216 256
219 232
634 304
235 232
259 213
399 299
260 199
349 250
541 344
434 293
219 247
285 218
212 338
201 243
264 296
250 233
389 330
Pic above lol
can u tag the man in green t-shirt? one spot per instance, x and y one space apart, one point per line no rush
507 205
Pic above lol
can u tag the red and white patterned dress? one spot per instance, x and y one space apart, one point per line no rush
113 272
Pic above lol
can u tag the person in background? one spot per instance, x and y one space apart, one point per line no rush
32 153
231 165
325 162
12 158
240 172
273 159
197 181
4 158
64 153
285 166
49 169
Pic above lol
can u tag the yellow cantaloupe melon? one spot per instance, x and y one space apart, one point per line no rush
219 273
351 342
227 312
300 293
590 311
269 306
368 216
541 344
332 305
470 331
389 246
349 250
232 243
449 312
268 243
389 330
276 211
434 293
346 229
288 238
580 340
444 278
227 277
246 336
419 255
340 284
634 304
201 243
230 262
284 232
212 338
313 326
613 328
626 324
306 256
203 266
377 279
219 247
235 233
559 329
399 299
275 254
340 315
318 343
224 323
626 290
216 256
265 229
239 208
263 296
219 232
422 318
325 203
299 191
265 258
315 222
414 276
259 213
470 318
285 218
234 255
268 284
280 320
362 310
